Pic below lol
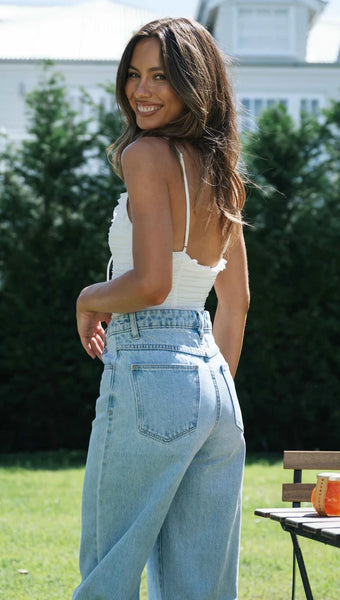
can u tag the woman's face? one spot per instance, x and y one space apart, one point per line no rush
151 97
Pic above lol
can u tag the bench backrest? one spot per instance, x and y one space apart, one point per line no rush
299 461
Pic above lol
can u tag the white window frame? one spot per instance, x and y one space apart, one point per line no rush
309 101
247 120
269 51
98 95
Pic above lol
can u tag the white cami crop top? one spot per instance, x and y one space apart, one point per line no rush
191 281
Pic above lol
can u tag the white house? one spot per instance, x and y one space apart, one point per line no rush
85 39
268 39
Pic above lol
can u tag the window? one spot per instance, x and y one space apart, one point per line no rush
211 21
264 30
311 105
81 107
251 109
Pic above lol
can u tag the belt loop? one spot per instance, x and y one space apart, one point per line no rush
201 325
134 326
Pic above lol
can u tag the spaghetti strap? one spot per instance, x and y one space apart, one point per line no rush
187 200
226 245
109 268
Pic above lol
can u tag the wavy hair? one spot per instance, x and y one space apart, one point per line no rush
196 70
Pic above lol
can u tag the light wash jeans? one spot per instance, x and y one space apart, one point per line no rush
165 464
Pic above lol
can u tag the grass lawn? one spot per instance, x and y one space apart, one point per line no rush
40 498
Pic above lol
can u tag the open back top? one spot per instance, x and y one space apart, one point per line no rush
191 281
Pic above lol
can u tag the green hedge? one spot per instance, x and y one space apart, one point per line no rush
53 216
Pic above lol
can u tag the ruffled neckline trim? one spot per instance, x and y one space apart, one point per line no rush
220 266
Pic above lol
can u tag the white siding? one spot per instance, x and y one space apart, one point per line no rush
303 86
20 77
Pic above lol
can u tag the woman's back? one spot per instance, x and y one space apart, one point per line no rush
196 231
205 235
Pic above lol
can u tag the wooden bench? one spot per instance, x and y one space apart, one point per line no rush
304 521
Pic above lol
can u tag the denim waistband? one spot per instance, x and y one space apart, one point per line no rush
158 318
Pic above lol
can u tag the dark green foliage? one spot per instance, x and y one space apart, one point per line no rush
54 215
288 378
55 210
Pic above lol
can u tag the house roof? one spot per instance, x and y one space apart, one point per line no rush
315 6
88 30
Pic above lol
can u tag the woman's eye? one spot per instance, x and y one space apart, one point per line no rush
160 76
132 75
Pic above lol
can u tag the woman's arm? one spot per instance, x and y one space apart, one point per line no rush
149 282
233 297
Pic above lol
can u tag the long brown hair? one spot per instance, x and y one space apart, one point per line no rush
196 70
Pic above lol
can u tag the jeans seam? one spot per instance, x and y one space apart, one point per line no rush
238 421
128 330
98 502
109 419
161 568
218 399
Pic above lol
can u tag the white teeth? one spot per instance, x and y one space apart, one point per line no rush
147 109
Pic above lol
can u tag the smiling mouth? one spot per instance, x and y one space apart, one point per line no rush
148 109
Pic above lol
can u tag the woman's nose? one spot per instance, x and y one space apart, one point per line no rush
143 89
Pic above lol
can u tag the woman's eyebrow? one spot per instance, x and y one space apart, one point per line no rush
151 68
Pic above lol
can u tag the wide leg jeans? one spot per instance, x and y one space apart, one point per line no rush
164 471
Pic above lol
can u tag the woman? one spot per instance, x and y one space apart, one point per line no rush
164 470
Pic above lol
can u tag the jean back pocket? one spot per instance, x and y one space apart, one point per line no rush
167 399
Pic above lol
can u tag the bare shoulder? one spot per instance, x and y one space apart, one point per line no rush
148 153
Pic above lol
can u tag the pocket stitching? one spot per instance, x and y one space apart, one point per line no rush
181 430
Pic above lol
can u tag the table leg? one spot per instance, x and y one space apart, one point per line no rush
303 572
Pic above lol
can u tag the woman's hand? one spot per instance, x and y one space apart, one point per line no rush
90 329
